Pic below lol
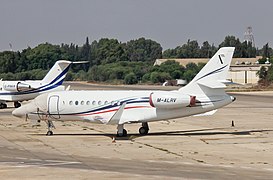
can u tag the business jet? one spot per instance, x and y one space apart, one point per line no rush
205 93
17 91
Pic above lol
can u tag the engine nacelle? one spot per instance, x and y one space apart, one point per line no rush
171 100
15 86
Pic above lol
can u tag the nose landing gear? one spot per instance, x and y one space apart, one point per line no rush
50 125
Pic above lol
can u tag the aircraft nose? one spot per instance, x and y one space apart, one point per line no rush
22 111
19 112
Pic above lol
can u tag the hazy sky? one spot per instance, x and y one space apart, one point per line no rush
169 22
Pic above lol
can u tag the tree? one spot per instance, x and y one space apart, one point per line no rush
143 50
159 77
266 53
130 78
262 73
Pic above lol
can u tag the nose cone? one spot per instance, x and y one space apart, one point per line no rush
20 112
38 104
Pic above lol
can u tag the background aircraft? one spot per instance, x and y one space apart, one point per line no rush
203 94
15 91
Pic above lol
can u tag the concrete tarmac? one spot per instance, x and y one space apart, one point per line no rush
186 148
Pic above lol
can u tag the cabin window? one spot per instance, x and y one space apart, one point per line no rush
94 102
99 103
76 102
82 102
70 102
106 102
87 102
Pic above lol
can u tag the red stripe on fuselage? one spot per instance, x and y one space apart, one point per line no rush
101 112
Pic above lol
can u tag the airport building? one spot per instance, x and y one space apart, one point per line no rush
242 70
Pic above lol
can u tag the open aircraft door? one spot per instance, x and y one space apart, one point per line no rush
53 107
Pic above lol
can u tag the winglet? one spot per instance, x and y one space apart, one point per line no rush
67 88
115 119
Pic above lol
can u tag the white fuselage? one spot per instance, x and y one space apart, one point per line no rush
100 106
15 95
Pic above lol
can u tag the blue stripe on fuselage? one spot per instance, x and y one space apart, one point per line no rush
128 101
51 85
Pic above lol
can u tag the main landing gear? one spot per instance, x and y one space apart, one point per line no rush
3 105
121 131
142 130
50 125
17 104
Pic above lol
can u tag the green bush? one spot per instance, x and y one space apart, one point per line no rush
130 78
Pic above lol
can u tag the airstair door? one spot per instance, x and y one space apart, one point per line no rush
53 107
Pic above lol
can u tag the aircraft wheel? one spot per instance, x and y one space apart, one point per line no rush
124 133
143 131
3 106
49 133
17 104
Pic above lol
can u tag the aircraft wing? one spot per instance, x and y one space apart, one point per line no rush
115 119
207 113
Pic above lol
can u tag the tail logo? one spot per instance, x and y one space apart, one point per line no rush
221 55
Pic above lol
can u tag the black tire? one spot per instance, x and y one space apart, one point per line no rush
17 104
143 131
49 133
3 106
124 133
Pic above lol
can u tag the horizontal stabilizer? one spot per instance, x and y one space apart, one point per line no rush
67 88
80 62
210 113
213 84
117 116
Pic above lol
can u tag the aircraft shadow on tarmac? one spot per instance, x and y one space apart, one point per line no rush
197 132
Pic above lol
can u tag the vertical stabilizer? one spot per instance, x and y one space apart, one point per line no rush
57 73
212 76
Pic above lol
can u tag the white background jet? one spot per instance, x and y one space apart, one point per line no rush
15 91
203 94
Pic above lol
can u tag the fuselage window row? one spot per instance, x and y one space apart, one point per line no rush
93 102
